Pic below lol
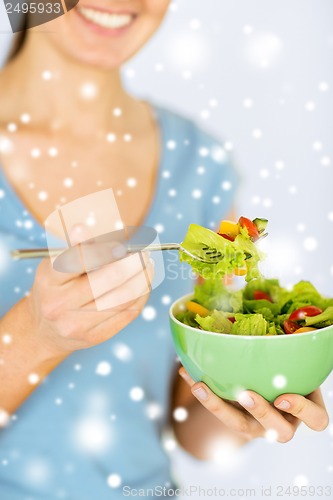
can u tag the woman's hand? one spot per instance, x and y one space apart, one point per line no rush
76 311
254 417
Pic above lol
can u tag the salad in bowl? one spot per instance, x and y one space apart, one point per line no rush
263 337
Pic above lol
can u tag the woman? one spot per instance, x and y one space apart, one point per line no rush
69 129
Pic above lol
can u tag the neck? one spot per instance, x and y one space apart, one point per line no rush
75 96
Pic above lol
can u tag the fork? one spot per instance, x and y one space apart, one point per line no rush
210 255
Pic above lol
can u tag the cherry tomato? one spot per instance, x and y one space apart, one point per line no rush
227 237
302 312
260 295
232 319
290 326
250 226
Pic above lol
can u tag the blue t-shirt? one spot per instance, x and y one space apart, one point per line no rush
94 425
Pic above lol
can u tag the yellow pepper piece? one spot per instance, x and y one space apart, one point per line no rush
229 228
304 329
197 309
240 272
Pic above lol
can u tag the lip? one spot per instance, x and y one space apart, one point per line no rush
110 32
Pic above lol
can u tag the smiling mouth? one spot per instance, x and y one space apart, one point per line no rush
106 20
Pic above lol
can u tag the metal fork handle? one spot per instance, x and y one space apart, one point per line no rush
37 253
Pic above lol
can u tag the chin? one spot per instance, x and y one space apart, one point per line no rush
103 38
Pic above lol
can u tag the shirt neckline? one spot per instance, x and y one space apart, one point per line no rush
160 124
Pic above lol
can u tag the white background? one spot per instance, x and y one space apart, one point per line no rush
259 75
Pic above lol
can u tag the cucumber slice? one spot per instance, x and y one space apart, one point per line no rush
261 224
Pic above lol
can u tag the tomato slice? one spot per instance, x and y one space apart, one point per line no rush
260 295
290 326
302 312
227 237
250 226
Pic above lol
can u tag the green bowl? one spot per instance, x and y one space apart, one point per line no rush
270 366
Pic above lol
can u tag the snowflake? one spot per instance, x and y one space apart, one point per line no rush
159 67
114 480
149 313
195 24
68 182
92 434
43 196
88 91
310 106
117 112
131 182
323 86
180 414
172 193
4 418
128 137
33 378
130 73
166 174
300 480
53 152
271 435
247 29
6 146
169 444
153 411
310 244
58 401
213 103
136 393
317 146
122 352
248 103
25 118
171 145
159 228
201 170
226 185
6 338
279 165
196 193
11 127
111 137
47 75
279 381
325 161
103 368
166 300
257 133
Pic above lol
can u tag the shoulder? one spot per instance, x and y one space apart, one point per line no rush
196 148
184 128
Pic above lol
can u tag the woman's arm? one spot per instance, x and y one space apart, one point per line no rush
24 362
59 316
240 422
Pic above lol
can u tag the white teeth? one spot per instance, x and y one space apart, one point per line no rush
106 20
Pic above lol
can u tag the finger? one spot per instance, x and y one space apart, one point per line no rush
185 375
113 276
267 416
230 416
310 409
108 328
136 286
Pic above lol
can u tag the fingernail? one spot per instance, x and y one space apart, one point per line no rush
200 393
245 400
284 405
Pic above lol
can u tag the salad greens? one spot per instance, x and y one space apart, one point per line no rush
262 307
237 253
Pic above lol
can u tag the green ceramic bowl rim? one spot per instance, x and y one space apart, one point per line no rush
229 335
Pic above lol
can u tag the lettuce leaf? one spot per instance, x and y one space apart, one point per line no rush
249 324
321 320
235 253
213 294
217 322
